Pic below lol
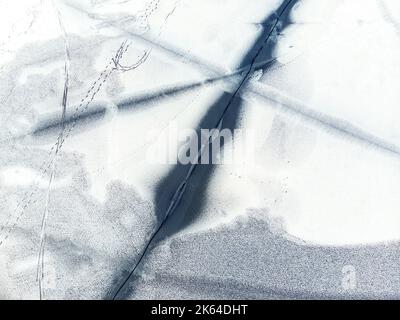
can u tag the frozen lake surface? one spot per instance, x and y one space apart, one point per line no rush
99 97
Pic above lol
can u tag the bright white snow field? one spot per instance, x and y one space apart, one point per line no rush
324 171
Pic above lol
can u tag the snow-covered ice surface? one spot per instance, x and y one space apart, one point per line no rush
89 88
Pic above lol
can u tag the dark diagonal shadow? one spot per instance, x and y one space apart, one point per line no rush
184 186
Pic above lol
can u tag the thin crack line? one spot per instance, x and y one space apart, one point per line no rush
182 187
40 264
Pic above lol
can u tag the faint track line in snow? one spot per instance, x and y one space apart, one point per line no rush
40 263
386 14
80 108
28 199
182 186
34 11
341 126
